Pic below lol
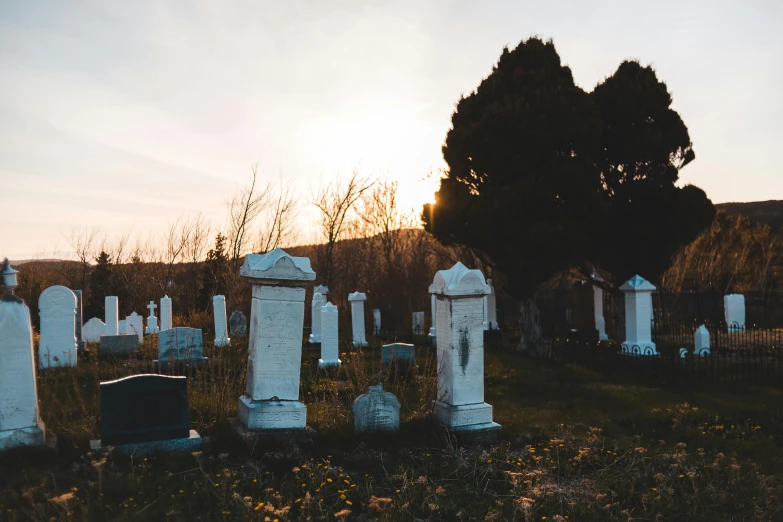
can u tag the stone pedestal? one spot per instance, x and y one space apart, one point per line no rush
701 342
271 402
315 328
357 300
330 342
111 310
221 323
734 310
460 344
165 313
638 317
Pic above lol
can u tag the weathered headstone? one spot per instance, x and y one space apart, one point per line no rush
238 324
57 310
330 346
357 300
376 321
638 317
460 347
143 414
315 331
134 325
734 309
433 317
20 422
165 313
376 411
93 329
271 401
180 345
122 345
122 326
323 290
79 323
112 319
399 353
492 307
418 323
221 324
152 321
701 341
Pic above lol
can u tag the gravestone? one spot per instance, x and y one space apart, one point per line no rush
315 330
491 307
122 345
357 300
683 353
598 309
330 347
180 345
323 290
460 407
20 421
165 313
271 401
638 317
399 353
111 310
418 323
143 414
221 324
376 321
238 324
122 326
93 329
376 411
80 344
57 345
701 341
134 325
433 317
734 309
152 321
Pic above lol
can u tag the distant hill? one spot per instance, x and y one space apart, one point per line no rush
768 212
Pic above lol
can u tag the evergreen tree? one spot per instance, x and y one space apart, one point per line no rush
100 285
216 271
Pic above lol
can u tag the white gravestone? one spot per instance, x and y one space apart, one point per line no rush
433 317
638 317
93 329
20 423
357 300
274 357
181 344
79 324
122 327
734 308
490 309
152 321
701 341
134 325
57 310
324 291
598 309
418 323
330 344
112 311
221 323
460 349
376 321
376 411
315 331
165 313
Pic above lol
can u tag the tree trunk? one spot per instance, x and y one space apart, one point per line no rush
530 338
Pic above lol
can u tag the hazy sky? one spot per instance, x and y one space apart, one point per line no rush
128 114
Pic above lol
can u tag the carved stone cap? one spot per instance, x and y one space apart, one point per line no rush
357 296
321 289
329 307
277 265
9 275
637 284
459 281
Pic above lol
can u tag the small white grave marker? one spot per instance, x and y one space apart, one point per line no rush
111 307
57 310
134 325
221 324
93 329
734 308
165 313
701 341
152 321
330 348
357 300
638 317
315 332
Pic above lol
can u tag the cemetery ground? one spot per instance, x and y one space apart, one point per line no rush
576 446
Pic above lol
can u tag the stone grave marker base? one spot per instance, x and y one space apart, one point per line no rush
470 423
329 365
30 437
182 445
278 444
273 414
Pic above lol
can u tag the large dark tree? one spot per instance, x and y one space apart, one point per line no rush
101 285
541 180
644 144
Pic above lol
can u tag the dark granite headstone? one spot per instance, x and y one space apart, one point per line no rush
78 321
400 353
118 345
237 324
144 408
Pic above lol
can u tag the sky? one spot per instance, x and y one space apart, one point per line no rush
125 115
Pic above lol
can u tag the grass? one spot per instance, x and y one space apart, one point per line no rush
577 446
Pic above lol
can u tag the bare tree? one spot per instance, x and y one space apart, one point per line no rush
84 242
279 220
335 202
243 209
383 217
